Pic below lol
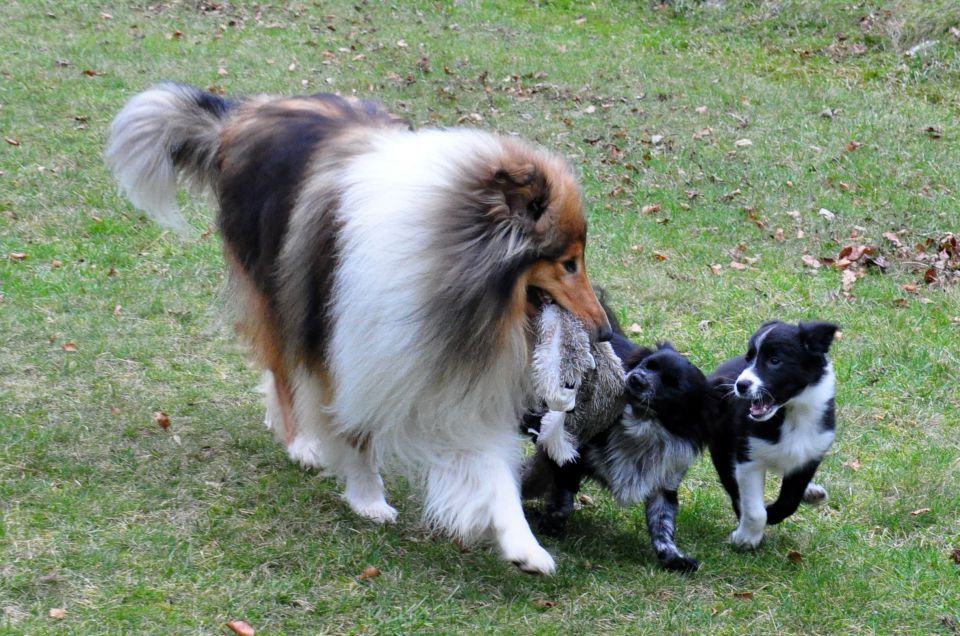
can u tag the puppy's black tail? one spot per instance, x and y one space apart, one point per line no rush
165 137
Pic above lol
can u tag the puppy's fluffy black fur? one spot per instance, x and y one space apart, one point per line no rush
643 454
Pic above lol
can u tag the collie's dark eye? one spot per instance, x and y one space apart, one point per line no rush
669 381
651 365
774 361
570 266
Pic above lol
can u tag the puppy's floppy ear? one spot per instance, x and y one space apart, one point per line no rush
666 345
636 357
817 336
524 189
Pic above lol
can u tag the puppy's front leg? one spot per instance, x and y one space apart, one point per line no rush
559 505
753 514
791 493
662 507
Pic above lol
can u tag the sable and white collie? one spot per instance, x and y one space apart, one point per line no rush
777 414
385 279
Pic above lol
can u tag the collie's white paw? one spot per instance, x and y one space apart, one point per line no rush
376 511
306 452
815 494
744 539
530 558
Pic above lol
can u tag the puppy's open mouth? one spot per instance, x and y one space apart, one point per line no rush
763 408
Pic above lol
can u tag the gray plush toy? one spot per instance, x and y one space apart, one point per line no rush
581 383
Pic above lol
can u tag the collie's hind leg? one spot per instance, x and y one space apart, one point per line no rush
473 494
318 445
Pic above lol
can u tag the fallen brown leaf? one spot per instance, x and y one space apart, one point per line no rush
585 500
12 141
635 328
241 628
651 208
810 261
853 145
58 613
660 256
17 256
794 557
909 288
852 464
716 268
162 419
69 346
955 555
919 511
542 604
737 266
370 572
743 596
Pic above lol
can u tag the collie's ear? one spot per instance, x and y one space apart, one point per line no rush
817 336
524 190
665 345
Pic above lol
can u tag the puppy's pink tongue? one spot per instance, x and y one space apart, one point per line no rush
759 408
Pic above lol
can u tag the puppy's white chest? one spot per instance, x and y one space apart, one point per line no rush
801 441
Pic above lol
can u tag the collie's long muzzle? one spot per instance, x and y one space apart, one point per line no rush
573 292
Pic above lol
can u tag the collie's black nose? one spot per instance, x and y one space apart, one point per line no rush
743 386
605 333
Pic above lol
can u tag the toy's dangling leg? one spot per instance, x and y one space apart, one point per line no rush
554 438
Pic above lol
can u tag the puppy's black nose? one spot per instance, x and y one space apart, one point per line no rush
743 386
637 382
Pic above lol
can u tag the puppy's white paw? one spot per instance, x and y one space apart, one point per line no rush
815 494
744 539
376 511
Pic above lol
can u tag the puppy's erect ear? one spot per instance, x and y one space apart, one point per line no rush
524 189
817 336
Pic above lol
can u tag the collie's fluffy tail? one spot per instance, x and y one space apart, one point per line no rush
165 137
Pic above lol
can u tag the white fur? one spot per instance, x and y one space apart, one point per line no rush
815 494
753 513
554 438
801 439
461 433
139 151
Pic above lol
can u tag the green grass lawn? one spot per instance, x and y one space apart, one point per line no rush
709 137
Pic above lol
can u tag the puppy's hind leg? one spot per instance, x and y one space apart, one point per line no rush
662 507
471 494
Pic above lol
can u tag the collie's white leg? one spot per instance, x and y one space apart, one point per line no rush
317 445
474 494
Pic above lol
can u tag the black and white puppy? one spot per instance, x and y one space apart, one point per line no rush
776 414
641 456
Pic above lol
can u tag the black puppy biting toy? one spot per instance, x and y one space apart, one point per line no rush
636 435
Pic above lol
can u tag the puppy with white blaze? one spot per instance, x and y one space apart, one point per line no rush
777 414
385 279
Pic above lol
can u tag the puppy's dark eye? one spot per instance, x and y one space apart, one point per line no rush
570 266
669 381
651 365
774 361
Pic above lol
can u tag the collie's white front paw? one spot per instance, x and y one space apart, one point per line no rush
745 539
376 511
306 452
529 556
815 494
